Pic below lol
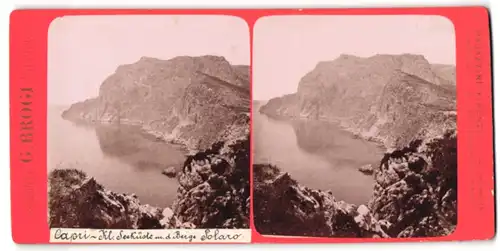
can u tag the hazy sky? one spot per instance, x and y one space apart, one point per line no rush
84 50
288 47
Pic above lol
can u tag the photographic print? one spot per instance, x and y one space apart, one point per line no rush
148 122
354 126
284 126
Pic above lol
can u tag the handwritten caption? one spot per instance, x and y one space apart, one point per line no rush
143 235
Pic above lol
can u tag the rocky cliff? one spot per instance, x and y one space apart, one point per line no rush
214 189
389 98
415 195
284 207
196 101
78 201
213 193
416 188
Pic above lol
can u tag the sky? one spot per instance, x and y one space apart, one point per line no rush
285 48
85 50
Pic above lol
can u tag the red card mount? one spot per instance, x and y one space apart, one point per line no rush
475 208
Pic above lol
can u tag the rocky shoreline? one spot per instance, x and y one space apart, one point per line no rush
383 141
414 196
235 132
337 122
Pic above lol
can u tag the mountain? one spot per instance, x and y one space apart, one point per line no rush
196 101
389 98
415 195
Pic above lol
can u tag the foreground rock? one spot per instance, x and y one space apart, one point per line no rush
283 207
366 169
416 189
214 189
170 172
78 201
195 101
414 196
393 99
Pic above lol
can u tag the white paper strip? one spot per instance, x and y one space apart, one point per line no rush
80 235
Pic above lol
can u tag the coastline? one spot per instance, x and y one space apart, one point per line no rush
345 124
147 131
337 122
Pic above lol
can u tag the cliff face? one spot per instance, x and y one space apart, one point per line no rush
195 101
408 108
213 193
369 96
446 72
414 196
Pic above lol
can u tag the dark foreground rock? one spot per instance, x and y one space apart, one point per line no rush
366 169
283 207
416 189
414 196
78 201
170 172
215 188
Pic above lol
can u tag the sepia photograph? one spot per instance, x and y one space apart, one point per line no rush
354 126
148 122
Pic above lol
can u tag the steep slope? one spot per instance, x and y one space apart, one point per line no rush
195 101
351 90
414 196
243 72
446 72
